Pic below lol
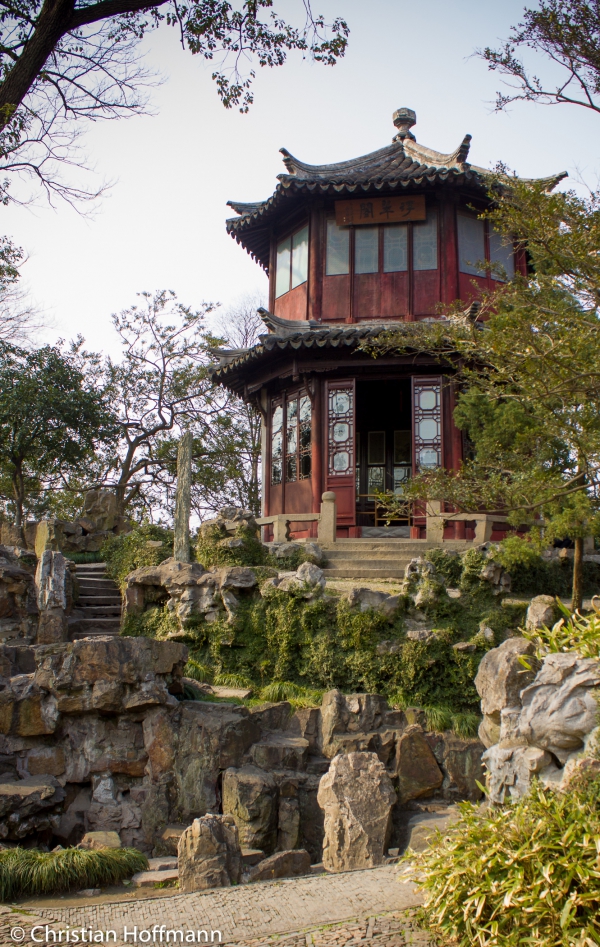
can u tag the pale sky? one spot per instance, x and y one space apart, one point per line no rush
163 223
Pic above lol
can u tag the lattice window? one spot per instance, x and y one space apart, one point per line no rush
427 403
341 431
276 443
291 438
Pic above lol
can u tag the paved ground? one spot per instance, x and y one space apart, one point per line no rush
249 913
394 929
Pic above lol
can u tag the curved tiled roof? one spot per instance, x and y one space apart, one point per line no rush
286 334
405 164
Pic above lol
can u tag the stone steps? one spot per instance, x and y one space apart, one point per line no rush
99 603
350 571
378 559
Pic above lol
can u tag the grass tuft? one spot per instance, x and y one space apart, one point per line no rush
28 872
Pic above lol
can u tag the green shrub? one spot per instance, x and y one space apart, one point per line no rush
156 622
532 575
297 696
283 643
83 557
214 547
523 874
28 872
579 633
447 564
133 550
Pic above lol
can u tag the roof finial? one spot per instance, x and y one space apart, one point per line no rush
404 119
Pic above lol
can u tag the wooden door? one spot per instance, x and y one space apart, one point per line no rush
341 438
427 423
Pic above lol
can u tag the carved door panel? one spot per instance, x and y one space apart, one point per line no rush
341 438
427 423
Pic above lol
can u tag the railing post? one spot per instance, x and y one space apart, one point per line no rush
280 528
328 519
435 522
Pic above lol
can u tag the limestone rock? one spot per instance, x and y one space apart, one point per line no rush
99 840
238 577
101 512
511 769
53 581
357 796
72 825
542 612
315 552
26 804
280 751
560 706
422 826
417 767
489 730
18 600
306 576
368 599
284 550
497 577
354 714
501 676
288 864
205 740
250 797
209 854
461 761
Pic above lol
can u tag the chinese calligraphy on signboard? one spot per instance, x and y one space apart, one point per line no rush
380 210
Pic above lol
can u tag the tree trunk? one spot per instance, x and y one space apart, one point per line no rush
181 542
19 494
51 25
577 595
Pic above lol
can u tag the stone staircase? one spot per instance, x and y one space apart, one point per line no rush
99 605
378 559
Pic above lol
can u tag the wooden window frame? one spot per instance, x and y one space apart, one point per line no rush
281 401
290 234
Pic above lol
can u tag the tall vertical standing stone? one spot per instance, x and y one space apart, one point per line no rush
183 499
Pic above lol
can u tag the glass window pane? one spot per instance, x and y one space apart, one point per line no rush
277 444
402 447
425 243
471 247
501 251
338 249
305 466
366 250
292 410
291 469
282 273
376 447
305 408
300 257
375 479
395 245
401 476
277 419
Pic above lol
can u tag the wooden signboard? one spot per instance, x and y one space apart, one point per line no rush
378 210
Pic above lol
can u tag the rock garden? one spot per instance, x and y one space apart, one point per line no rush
251 722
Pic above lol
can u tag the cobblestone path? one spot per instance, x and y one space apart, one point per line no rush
396 929
257 911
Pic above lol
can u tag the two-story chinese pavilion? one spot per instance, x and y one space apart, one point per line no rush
349 248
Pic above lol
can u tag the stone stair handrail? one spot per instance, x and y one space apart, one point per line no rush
326 520
436 520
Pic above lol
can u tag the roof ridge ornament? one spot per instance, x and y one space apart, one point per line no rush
283 326
404 119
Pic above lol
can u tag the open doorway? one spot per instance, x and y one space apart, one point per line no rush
383 450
